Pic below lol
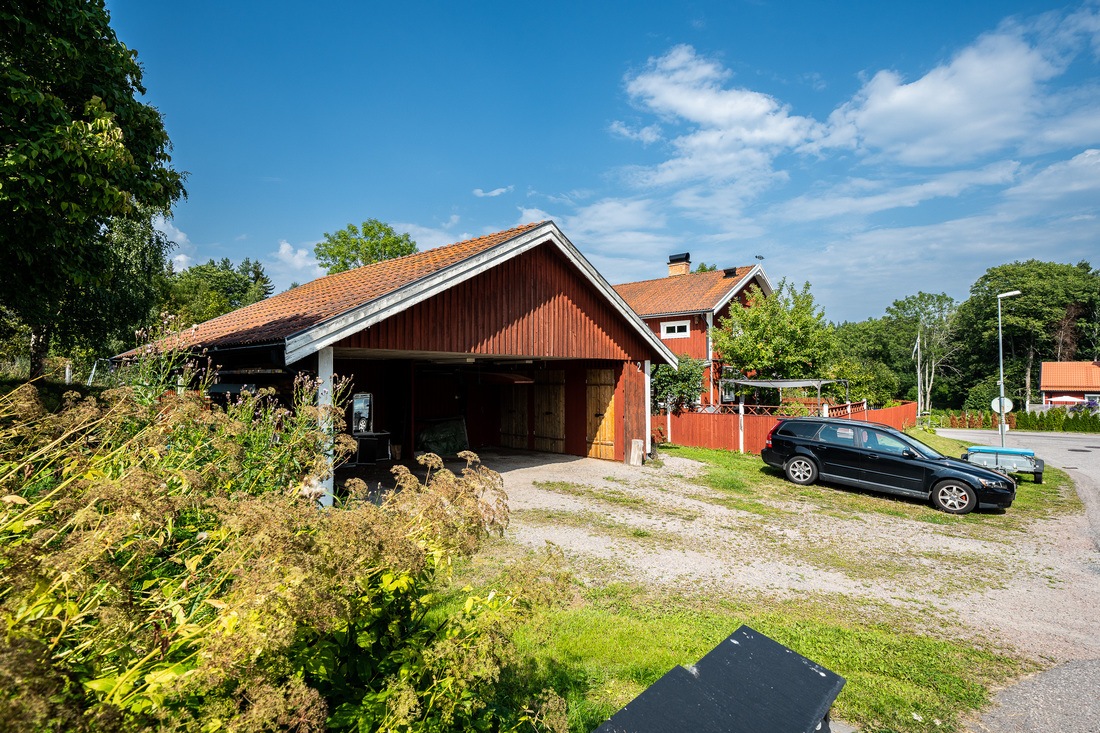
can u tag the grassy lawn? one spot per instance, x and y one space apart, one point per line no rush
608 640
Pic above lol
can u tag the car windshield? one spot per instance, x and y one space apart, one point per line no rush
925 450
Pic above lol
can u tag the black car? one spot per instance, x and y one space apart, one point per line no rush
880 458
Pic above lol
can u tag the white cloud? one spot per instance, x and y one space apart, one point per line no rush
645 135
181 262
432 237
529 215
729 131
170 230
1071 184
293 264
863 197
985 99
495 192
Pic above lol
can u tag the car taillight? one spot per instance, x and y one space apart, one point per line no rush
768 440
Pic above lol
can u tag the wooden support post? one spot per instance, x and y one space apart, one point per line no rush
648 412
324 401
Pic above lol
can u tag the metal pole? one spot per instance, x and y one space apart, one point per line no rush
1001 364
1001 373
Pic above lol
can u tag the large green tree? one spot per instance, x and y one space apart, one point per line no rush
1052 319
77 149
208 290
354 246
925 325
781 336
866 359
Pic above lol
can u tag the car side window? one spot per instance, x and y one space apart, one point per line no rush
838 435
881 442
795 429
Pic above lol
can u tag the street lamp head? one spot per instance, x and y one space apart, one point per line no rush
1009 294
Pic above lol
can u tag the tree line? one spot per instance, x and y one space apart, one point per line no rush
926 347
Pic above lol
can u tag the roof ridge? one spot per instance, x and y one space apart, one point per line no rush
720 270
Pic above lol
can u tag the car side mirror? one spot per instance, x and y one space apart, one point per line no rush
908 453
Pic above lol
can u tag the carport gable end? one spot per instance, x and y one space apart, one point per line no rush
328 332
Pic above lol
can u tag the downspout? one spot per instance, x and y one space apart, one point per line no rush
710 355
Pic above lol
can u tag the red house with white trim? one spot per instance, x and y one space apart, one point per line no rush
1068 383
683 307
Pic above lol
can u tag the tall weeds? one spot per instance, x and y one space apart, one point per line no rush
164 564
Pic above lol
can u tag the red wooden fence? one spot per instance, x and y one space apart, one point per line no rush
723 431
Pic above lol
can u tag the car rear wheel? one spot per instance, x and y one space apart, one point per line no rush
954 497
801 470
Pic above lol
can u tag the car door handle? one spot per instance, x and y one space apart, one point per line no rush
872 456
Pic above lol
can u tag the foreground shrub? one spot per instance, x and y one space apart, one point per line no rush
165 565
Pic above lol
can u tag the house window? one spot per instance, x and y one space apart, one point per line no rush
675 329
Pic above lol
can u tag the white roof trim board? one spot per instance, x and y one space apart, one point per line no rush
326 333
756 272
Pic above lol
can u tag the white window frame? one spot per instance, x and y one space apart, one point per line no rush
666 325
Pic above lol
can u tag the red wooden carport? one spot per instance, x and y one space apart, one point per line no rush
515 334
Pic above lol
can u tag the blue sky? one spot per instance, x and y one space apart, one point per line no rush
873 149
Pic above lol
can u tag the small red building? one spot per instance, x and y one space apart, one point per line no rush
512 339
1067 383
683 308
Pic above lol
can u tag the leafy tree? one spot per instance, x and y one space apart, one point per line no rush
925 322
353 247
681 387
206 291
77 149
704 267
868 361
102 314
783 336
1054 312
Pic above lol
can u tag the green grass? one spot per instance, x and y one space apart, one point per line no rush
611 642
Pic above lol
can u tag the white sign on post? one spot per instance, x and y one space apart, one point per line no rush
1001 404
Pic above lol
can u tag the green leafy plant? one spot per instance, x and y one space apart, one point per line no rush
164 564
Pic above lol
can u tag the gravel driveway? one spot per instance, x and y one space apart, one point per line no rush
1038 592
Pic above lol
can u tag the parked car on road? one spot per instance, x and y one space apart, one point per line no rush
880 458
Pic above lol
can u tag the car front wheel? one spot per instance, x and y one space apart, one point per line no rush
954 497
801 470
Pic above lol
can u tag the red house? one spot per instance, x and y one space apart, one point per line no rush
682 308
1068 383
511 339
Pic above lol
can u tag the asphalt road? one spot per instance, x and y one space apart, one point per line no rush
1066 698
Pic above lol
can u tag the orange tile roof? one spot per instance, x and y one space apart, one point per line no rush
696 292
1070 376
274 319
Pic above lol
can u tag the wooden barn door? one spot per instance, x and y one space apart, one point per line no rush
513 416
550 411
601 413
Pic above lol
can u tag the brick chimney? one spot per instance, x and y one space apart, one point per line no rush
679 264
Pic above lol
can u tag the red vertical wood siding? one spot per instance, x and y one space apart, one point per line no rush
634 406
534 305
695 345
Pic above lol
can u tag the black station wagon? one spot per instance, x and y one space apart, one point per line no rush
880 458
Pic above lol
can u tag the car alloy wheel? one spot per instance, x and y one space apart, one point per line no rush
801 470
953 497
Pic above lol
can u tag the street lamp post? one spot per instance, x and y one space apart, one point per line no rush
1001 358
